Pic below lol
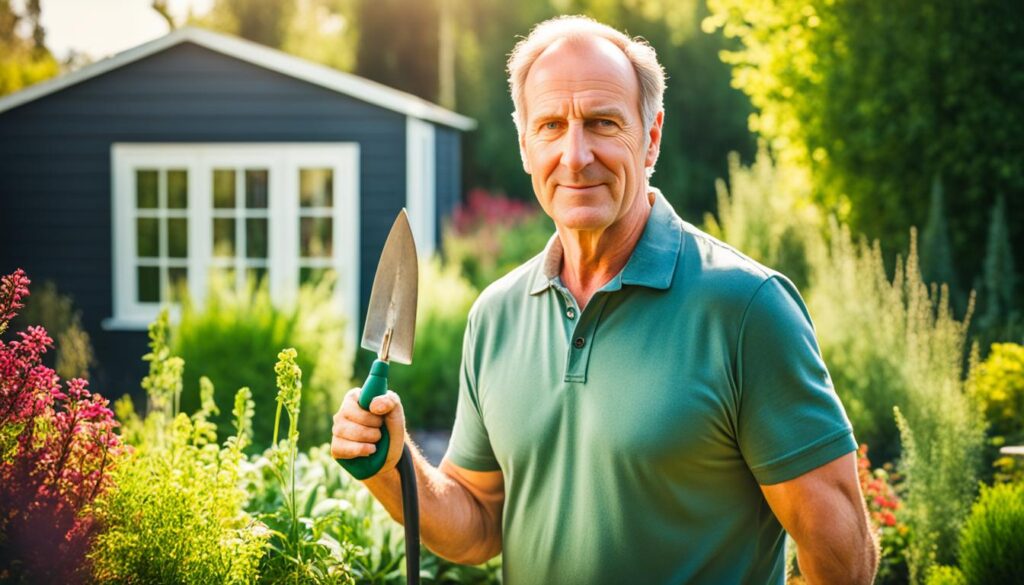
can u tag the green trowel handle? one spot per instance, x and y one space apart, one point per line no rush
376 385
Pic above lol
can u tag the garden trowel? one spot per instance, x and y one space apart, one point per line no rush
389 330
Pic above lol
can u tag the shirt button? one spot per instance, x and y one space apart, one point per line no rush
579 342
570 313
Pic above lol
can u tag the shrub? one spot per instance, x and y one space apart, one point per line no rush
992 539
232 339
491 234
942 575
765 211
57 447
998 385
177 514
429 387
73 353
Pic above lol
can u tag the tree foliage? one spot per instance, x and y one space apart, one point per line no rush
876 98
24 60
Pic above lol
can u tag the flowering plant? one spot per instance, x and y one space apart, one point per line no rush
177 514
884 509
57 447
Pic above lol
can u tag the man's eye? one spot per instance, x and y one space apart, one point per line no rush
551 125
607 123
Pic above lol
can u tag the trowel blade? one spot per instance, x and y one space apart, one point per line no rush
393 298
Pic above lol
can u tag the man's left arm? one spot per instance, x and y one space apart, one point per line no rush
823 511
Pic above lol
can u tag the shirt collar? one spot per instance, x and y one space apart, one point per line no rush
652 263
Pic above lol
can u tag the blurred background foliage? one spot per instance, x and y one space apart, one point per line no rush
879 101
233 338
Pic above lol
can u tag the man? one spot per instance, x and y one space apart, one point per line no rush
639 403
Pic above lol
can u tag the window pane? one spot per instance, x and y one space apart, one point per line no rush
178 278
316 187
148 241
223 237
177 237
223 188
314 275
149 284
146 186
256 237
177 189
256 188
315 237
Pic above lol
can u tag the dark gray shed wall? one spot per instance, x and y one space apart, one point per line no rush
55 185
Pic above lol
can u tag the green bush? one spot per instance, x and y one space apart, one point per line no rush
491 235
232 339
992 539
943 575
73 353
998 385
430 386
765 211
176 514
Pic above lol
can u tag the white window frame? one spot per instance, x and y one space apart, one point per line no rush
283 161
421 184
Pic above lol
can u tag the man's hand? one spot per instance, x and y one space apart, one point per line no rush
356 431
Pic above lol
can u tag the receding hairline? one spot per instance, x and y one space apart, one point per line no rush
556 32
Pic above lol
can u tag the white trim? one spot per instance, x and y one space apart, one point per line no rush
261 56
283 160
421 184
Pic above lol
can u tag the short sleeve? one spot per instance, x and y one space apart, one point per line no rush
470 445
790 419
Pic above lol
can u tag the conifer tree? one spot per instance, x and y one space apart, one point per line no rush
936 251
999 285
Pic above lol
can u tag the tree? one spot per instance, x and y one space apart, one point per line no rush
705 117
999 287
23 60
936 253
874 98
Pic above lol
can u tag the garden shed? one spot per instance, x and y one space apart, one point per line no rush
200 152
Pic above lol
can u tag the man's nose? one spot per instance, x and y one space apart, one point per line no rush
576 151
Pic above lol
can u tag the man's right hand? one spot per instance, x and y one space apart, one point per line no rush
356 431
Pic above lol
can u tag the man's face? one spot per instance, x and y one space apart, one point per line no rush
582 138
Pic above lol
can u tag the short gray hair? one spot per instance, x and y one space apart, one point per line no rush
641 55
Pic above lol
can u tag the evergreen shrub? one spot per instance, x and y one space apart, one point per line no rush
992 539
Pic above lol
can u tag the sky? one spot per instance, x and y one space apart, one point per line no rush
101 28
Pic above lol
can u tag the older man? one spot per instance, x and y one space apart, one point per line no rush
639 403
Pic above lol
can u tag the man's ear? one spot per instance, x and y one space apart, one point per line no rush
522 153
654 140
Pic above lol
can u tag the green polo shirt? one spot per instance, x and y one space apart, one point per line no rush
633 435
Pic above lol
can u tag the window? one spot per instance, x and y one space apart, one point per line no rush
183 213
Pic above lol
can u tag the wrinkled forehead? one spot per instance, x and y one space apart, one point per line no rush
591 67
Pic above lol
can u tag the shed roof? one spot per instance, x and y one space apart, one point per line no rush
261 56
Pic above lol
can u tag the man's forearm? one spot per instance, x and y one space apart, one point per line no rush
838 559
453 524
